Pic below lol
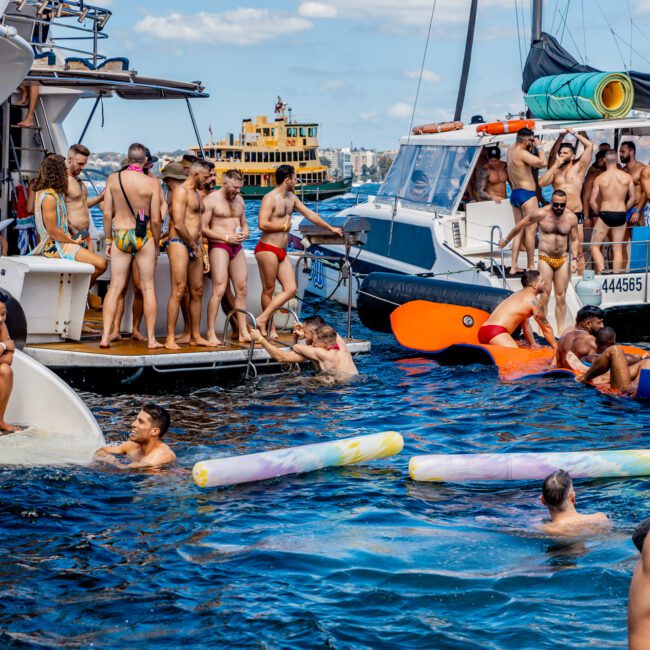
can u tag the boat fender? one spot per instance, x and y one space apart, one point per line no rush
503 127
16 321
437 127
296 460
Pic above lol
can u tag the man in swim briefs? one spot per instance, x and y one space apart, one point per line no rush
597 168
523 198
271 252
556 226
580 339
567 173
145 447
638 612
225 227
492 177
559 497
327 350
612 195
635 215
132 229
7 349
185 252
514 311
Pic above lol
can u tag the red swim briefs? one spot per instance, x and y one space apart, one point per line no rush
488 332
281 253
229 248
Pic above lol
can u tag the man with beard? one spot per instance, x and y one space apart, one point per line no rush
567 173
581 338
557 225
492 177
634 216
597 168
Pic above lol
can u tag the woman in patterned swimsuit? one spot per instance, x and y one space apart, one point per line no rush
52 221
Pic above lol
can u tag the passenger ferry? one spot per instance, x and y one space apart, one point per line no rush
262 146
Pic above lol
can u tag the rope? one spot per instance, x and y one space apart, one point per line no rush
611 29
521 59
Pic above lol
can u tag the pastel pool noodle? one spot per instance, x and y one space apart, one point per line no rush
454 468
295 460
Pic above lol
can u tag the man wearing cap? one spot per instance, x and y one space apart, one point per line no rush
492 177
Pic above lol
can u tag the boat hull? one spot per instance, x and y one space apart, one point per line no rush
305 192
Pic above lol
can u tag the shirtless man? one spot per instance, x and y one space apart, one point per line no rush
327 350
635 215
559 497
271 251
132 229
514 311
492 177
523 197
185 252
556 226
597 168
145 447
225 227
7 349
612 195
581 338
567 173
638 612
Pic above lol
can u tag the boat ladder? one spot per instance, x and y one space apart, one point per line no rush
502 269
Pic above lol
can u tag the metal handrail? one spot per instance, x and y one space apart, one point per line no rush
503 262
249 361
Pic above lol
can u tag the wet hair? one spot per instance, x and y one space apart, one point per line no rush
159 417
525 134
560 193
605 337
640 533
494 152
556 489
190 158
587 312
629 144
283 172
79 149
567 145
137 153
326 334
528 277
4 298
52 174
234 175
314 321
199 165
601 154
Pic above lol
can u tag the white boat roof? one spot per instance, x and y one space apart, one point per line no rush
468 137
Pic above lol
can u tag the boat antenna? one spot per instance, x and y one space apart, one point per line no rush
467 59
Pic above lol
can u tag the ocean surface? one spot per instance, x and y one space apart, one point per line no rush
356 557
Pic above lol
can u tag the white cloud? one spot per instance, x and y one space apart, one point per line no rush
242 26
317 10
400 110
642 6
427 75
368 116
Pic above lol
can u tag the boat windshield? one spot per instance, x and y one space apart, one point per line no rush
423 176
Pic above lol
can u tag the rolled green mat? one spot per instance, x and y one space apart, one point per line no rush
581 96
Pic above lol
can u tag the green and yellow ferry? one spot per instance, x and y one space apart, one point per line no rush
262 146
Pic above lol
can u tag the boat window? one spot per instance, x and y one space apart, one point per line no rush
247 157
410 244
303 132
424 176
266 156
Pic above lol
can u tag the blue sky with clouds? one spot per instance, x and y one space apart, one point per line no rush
351 65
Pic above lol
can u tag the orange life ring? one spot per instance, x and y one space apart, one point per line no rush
508 126
438 127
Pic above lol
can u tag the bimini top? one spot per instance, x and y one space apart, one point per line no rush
468 137
127 85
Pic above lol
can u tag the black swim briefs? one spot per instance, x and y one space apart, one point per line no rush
613 219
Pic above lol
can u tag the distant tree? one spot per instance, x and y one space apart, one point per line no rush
384 163
325 161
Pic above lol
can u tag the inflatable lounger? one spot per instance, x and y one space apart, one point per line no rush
528 466
295 460
452 330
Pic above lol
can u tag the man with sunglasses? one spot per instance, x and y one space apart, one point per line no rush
556 225
523 198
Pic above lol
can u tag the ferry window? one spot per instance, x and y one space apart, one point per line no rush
302 132
266 156
247 157
284 156
310 132
313 154
410 244
428 175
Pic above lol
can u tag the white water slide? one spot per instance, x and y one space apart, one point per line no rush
60 428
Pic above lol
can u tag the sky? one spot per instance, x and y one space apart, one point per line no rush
353 66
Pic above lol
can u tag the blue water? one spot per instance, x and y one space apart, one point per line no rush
357 557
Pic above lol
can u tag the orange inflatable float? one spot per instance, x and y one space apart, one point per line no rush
438 127
507 126
436 328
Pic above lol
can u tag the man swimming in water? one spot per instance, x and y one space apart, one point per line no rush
523 198
514 311
271 252
638 612
7 349
556 226
559 497
145 447
612 195
580 339
132 224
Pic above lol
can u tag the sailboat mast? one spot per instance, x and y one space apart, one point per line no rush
467 59
536 30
